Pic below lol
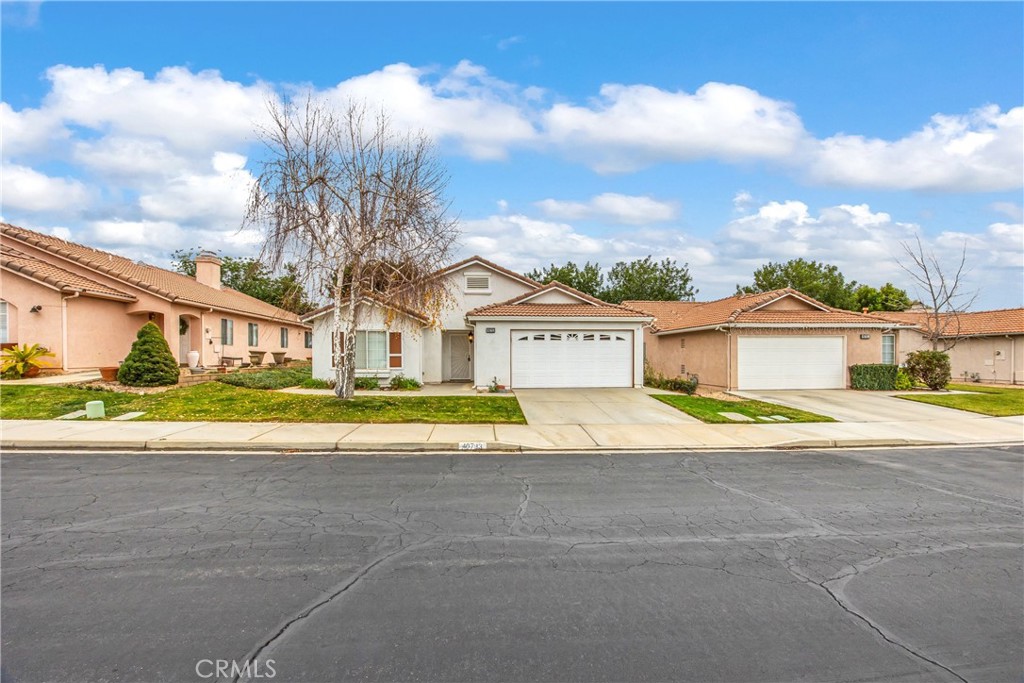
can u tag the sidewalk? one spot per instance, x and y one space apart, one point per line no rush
271 436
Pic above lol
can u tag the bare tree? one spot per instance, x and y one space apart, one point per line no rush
361 208
941 290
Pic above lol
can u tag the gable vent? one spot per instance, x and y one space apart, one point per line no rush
478 283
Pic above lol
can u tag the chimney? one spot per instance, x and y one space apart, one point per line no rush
208 269
864 310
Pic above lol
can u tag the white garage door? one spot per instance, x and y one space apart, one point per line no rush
791 363
547 359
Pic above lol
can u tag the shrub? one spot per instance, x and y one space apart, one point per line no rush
403 383
18 360
903 380
873 376
150 362
276 378
312 383
365 383
931 368
686 385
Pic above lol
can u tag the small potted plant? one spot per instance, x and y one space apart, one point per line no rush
23 361
109 374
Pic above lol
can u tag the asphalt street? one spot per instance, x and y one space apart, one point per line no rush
896 565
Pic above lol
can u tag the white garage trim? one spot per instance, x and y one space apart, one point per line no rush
568 358
791 362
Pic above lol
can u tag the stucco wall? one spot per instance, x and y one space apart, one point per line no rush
995 359
372 318
44 327
503 288
100 334
492 352
707 353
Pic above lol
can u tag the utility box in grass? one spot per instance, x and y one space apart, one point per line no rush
95 410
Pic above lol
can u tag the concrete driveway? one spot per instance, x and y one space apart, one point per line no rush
596 406
858 406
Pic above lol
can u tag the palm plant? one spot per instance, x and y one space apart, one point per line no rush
18 361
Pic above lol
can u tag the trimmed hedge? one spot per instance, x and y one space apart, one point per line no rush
277 378
150 363
874 377
931 368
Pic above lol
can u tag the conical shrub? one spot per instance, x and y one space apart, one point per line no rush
150 363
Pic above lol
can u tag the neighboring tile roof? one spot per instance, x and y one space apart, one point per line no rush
975 323
672 316
588 307
55 276
159 281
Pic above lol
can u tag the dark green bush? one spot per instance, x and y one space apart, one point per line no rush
312 383
873 376
150 363
403 383
367 383
686 385
277 378
931 368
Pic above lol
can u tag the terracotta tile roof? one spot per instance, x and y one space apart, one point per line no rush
672 316
55 276
974 323
588 306
163 283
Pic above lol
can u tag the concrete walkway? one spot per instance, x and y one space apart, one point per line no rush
69 378
34 434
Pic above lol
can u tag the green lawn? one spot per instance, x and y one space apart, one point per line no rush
708 409
218 402
995 401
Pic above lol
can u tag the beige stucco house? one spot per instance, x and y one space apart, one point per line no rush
86 306
499 327
773 340
983 345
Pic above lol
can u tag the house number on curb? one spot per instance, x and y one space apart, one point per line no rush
472 445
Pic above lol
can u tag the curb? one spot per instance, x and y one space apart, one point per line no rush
480 447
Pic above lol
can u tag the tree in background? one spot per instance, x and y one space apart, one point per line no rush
941 288
587 279
640 280
819 281
888 298
251 276
360 208
649 280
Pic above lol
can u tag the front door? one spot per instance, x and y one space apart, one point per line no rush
461 357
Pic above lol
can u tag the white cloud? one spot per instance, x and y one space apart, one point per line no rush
633 126
1010 209
742 201
29 190
482 115
506 43
979 151
206 199
612 208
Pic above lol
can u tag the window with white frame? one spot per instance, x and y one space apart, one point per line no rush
308 340
227 331
889 349
284 337
254 334
371 350
3 322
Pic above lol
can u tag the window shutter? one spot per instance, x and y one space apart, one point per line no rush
395 350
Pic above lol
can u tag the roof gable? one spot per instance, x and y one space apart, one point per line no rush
555 300
481 262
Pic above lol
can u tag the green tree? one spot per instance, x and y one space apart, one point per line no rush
888 298
251 276
150 362
819 281
649 280
587 279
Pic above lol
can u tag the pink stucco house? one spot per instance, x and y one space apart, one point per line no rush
86 306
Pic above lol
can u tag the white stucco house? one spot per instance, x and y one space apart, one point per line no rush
501 327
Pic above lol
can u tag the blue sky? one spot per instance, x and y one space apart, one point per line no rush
722 135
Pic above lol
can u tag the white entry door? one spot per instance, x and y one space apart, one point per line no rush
460 357
791 363
549 359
